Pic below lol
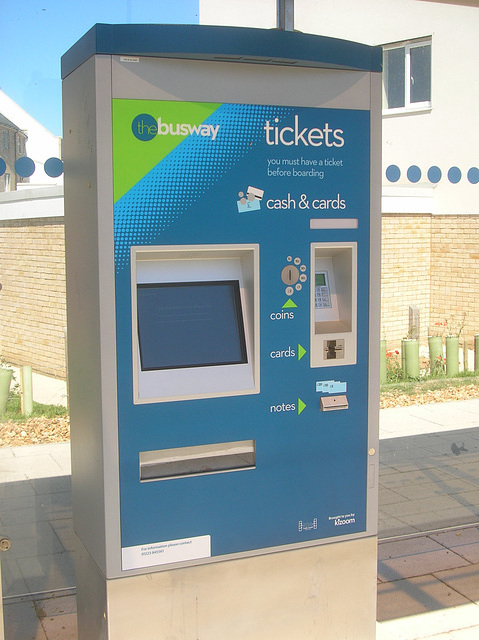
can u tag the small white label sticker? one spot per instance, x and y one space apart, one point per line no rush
149 555
129 59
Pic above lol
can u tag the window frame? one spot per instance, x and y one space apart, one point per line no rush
409 106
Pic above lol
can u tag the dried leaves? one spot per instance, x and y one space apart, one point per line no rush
46 430
391 399
35 431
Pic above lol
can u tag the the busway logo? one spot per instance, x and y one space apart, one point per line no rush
145 128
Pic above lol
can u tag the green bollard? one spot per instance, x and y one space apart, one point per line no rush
436 355
26 387
5 381
452 356
411 357
383 374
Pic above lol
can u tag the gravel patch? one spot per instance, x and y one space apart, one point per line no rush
390 399
47 430
35 431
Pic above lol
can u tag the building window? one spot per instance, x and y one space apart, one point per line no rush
5 139
407 77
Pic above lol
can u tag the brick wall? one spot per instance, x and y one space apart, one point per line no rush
431 262
455 272
405 274
32 299
428 261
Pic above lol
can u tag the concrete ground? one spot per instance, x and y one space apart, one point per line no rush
35 513
428 585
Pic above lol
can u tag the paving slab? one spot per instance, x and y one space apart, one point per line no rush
48 572
403 598
428 585
446 485
472 633
454 623
465 580
21 622
453 539
428 418
403 548
419 564
58 617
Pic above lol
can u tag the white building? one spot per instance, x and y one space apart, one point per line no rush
41 145
430 222
434 122
430 203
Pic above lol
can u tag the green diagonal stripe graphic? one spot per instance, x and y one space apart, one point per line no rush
134 158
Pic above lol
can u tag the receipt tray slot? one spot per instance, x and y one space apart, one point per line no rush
182 462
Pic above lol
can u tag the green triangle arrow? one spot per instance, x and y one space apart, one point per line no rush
301 351
301 406
288 304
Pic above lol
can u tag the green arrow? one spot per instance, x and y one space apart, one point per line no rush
301 406
301 351
288 304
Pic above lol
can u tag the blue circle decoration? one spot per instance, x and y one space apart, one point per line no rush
53 167
24 167
414 173
144 127
3 166
454 174
473 175
434 174
393 173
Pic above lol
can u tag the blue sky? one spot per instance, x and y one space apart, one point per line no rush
36 33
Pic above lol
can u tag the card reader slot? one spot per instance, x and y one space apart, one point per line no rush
165 464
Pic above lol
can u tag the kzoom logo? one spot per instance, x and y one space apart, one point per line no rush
145 127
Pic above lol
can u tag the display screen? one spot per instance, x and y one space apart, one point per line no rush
190 324
320 279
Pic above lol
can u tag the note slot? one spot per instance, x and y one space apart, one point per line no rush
334 403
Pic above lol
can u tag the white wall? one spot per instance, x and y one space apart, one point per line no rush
239 13
44 202
445 136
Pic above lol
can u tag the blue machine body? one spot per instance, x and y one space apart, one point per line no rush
290 186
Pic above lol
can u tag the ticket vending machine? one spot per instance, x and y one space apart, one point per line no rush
222 238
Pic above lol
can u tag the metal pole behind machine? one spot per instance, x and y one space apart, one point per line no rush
285 15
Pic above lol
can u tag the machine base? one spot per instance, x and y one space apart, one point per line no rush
324 592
